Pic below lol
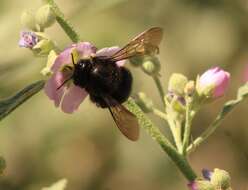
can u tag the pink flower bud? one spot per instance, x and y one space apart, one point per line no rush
213 82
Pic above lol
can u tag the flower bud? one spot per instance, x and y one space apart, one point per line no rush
45 16
151 65
28 20
177 83
201 185
213 83
46 71
221 179
189 88
144 102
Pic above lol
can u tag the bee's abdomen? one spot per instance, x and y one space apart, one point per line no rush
123 91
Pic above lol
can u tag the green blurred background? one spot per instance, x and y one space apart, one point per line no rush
41 144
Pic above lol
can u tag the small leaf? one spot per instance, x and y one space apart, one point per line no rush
10 104
2 165
227 108
60 185
243 91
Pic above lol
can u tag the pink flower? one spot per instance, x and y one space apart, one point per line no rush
246 73
69 97
214 82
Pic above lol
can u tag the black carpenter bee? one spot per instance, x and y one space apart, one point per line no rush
109 85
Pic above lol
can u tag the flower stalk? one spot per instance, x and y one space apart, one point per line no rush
188 122
160 88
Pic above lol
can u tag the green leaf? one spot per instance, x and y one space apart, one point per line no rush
10 104
227 108
60 185
2 165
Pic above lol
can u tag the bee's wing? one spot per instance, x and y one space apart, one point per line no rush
124 119
145 43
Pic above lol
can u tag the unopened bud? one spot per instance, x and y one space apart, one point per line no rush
213 83
177 83
151 65
189 88
45 16
28 20
221 179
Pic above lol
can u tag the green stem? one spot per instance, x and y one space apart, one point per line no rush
204 135
65 25
156 135
175 128
160 88
187 128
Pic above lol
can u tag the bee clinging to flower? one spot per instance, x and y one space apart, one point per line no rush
81 70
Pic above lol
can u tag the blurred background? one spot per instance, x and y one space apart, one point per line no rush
41 144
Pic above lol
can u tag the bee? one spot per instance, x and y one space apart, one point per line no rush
109 85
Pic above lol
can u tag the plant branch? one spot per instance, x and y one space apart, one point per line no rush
156 135
227 108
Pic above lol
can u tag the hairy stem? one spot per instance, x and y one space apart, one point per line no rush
175 128
187 128
65 25
160 88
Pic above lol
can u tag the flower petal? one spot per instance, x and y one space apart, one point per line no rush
109 51
84 49
51 88
73 98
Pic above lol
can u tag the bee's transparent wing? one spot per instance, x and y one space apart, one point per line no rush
124 119
145 43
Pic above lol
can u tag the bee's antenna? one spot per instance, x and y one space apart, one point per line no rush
64 83
72 58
